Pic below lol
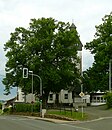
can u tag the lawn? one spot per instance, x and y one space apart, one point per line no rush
69 114
0 111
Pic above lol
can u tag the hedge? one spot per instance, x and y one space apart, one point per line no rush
26 107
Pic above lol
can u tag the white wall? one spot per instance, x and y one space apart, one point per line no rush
98 100
62 97
53 99
20 95
30 97
79 65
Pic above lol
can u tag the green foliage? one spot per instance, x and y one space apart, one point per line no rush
26 107
73 115
108 98
0 105
101 47
7 110
48 48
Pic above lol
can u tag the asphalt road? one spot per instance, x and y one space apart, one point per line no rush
22 123
97 124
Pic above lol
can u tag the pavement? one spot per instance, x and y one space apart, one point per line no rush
49 119
97 112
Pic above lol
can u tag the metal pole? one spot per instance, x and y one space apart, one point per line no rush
32 91
82 97
82 108
41 96
40 93
40 90
110 75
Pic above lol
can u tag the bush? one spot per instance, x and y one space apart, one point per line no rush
0 105
108 97
26 107
7 110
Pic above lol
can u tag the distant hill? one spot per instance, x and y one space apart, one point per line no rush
2 101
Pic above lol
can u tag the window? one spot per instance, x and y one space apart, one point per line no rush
51 97
66 96
101 99
98 99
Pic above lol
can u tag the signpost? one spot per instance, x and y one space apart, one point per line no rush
82 95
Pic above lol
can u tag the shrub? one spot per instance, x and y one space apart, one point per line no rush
6 110
0 105
26 107
108 97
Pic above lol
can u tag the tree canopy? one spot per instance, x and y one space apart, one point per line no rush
101 48
48 48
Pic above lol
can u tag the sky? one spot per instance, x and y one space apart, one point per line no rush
85 14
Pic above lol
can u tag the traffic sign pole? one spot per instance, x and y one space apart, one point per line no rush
82 109
82 95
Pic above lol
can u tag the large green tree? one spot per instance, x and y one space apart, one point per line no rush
49 49
101 48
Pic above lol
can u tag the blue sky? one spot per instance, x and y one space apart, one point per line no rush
85 14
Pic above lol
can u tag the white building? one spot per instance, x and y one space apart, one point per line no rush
21 97
97 98
66 97
63 96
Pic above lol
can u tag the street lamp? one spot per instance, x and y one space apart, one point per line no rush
40 93
32 88
32 82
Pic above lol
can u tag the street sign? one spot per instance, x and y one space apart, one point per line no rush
81 94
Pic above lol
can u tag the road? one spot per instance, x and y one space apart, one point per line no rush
22 123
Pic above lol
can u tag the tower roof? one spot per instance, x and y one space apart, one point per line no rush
80 44
73 26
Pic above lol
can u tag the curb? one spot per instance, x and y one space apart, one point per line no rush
49 119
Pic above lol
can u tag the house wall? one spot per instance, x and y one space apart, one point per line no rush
53 99
30 98
98 99
20 95
63 97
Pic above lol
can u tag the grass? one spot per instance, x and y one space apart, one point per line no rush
69 114
0 111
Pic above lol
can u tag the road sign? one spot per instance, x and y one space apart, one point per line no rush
81 94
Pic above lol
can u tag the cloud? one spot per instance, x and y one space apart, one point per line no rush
86 15
87 59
